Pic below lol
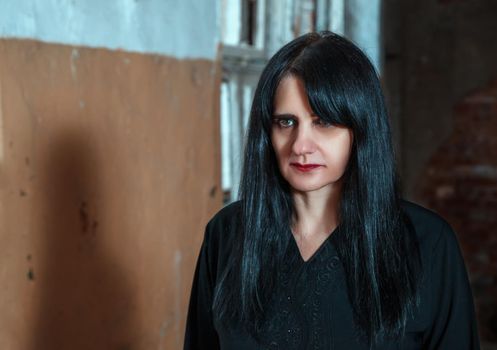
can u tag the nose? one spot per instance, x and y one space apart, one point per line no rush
304 142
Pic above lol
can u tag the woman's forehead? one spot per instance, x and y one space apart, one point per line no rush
291 97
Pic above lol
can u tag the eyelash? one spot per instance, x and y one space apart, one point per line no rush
282 121
279 121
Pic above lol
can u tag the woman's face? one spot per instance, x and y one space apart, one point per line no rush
311 154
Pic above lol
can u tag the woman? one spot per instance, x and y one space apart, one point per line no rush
320 252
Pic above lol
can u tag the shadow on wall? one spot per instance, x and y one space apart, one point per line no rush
84 298
460 183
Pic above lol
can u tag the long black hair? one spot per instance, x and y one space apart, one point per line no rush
375 242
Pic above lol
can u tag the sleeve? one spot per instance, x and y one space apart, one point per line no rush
453 316
200 332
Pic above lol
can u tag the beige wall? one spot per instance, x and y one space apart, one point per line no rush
109 170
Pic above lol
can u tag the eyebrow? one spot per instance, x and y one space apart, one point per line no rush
290 115
284 115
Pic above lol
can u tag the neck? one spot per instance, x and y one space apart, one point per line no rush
316 212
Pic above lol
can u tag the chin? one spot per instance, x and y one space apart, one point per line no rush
307 186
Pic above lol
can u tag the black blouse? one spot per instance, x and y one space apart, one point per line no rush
311 309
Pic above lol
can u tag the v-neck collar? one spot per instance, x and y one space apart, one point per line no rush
319 253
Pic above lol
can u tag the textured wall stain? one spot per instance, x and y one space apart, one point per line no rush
83 217
178 293
31 274
88 224
74 59
164 331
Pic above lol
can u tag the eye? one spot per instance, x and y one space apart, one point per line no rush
322 123
284 122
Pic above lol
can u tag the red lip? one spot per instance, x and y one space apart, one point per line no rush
305 167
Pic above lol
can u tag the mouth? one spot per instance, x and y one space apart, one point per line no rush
305 167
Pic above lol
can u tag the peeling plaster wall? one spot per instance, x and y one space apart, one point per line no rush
182 29
109 171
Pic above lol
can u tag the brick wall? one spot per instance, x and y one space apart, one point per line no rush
460 182
440 77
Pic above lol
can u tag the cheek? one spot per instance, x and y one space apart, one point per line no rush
278 146
340 154
344 161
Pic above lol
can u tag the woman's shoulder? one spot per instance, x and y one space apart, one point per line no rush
227 214
446 312
430 227
224 223
421 215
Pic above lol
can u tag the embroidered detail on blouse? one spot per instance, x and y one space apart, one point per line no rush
298 317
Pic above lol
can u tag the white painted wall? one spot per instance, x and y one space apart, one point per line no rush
362 25
178 28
